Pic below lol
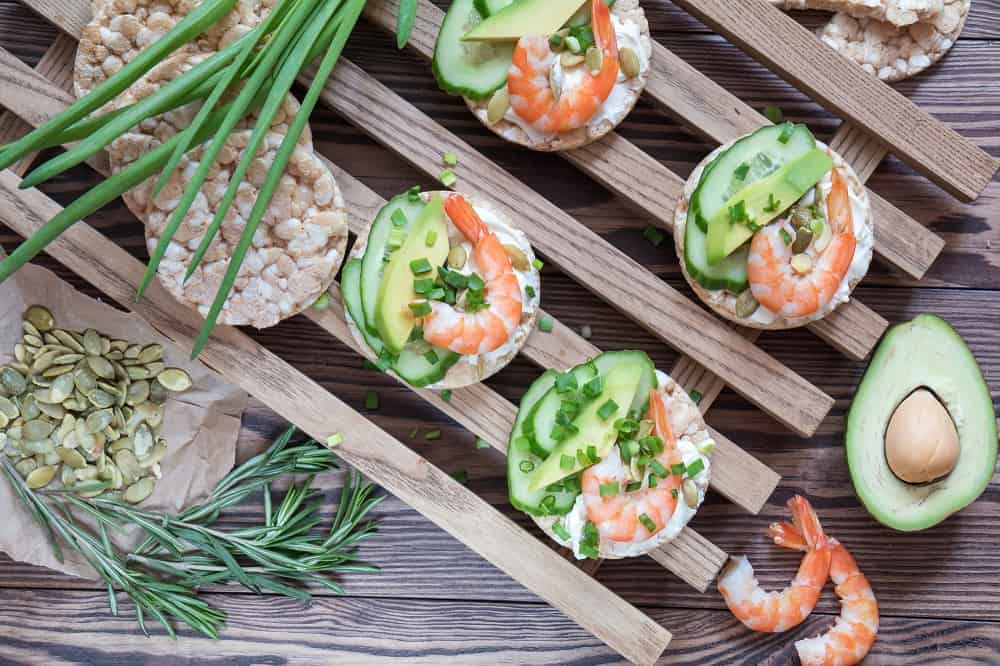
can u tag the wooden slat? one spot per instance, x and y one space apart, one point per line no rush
379 456
713 112
777 40
591 260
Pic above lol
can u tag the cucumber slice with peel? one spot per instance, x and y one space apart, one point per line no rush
488 8
730 273
472 69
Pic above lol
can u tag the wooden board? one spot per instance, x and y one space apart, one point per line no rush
931 148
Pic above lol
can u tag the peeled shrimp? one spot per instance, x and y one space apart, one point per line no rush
488 329
780 611
852 637
530 89
617 517
778 287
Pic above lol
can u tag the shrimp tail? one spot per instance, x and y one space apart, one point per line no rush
603 28
786 535
838 204
465 217
807 522
661 419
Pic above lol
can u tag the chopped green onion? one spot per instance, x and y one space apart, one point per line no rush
556 41
385 360
643 460
566 462
537 263
679 468
421 266
654 236
593 388
526 466
462 476
652 481
482 443
707 447
658 469
423 285
446 395
322 303
437 294
673 493
421 309
566 382
476 283
399 218
545 324
607 410
431 356
571 484
590 532
589 551
548 502
773 205
696 396
416 334
413 194
608 489
647 522
738 212
652 445
817 227
560 531
371 400
431 238
334 440
431 435
413 433
396 239
626 425
632 487
453 278
581 457
529 291
629 448
785 236
786 132
592 454
742 171
448 178
774 114
695 467
450 159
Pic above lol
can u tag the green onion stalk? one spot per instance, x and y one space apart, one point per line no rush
262 64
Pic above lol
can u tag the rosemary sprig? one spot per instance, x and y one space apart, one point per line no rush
183 552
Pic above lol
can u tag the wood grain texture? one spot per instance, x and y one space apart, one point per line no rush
953 162
371 450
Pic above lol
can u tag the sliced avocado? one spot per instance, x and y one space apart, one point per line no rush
524 17
594 428
926 353
763 201
393 317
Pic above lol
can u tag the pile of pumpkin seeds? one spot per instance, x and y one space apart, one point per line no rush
86 409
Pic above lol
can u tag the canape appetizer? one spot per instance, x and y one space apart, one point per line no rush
774 229
444 290
302 238
611 458
547 74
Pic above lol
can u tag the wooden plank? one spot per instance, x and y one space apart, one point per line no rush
947 158
716 113
379 456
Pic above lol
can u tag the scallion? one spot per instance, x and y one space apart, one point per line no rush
607 410
431 435
566 462
654 236
647 522
446 395
608 489
526 466
658 469
420 309
421 266
545 324
560 531
695 467
371 400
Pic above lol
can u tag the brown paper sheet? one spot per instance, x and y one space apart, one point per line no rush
201 426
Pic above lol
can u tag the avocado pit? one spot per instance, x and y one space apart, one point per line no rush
921 442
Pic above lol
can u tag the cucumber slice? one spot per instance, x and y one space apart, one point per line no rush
542 419
488 8
472 69
372 264
519 454
730 273
762 152
411 365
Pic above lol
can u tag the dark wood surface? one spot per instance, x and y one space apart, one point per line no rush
435 601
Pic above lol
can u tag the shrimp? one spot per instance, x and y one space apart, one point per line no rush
618 516
852 636
488 329
531 94
782 290
780 611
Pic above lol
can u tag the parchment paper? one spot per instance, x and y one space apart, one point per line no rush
201 425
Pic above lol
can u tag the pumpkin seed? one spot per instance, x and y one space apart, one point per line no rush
114 356
57 370
53 411
62 388
71 457
155 368
98 421
13 381
497 108
175 379
746 304
137 372
158 393
158 453
33 340
119 345
29 329
67 339
137 393
690 491
26 466
117 478
554 84
88 473
40 317
50 339
92 342
38 429
68 476
153 352
86 381
50 458
128 465
569 59
39 445
68 357
133 351
629 60
4 420
101 367
105 346
142 442
8 408
101 399
20 353
802 263
518 259
595 60
803 238
120 444
139 490
21 368
40 477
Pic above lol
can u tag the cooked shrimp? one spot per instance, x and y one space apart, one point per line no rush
531 94
852 636
617 516
488 329
780 611
779 287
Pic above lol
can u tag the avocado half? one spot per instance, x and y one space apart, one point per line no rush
924 353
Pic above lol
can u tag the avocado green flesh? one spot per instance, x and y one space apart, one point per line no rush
924 353
620 385
393 317
783 187
527 17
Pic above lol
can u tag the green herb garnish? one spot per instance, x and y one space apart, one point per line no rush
654 236
545 324
607 410
560 531
608 489
371 400
566 462
526 466
647 522
695 467
421 266
420 309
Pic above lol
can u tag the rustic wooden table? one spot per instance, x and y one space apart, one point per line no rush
435 600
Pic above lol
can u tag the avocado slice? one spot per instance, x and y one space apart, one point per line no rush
763 201
926 353
393 317
524 17
594 428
